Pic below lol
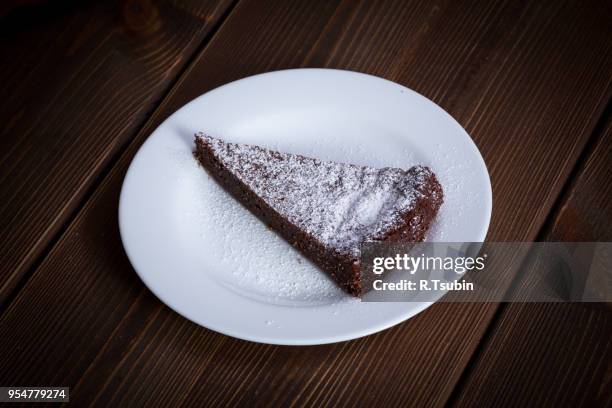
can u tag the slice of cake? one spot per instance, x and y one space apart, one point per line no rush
325 209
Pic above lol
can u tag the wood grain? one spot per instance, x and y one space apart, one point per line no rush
551 355
78 82
526 85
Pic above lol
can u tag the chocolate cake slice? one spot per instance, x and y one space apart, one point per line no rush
325 209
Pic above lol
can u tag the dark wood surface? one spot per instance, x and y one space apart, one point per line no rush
77 85
568 342
530 81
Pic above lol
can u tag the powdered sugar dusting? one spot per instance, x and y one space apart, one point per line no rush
248 257
342 205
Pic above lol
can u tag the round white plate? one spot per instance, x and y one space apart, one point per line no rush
213 262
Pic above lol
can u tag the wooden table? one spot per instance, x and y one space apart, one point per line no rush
83 85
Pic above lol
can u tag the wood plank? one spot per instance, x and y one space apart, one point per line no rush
554 354
527 86
78 81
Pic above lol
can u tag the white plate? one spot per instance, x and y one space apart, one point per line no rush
210 260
